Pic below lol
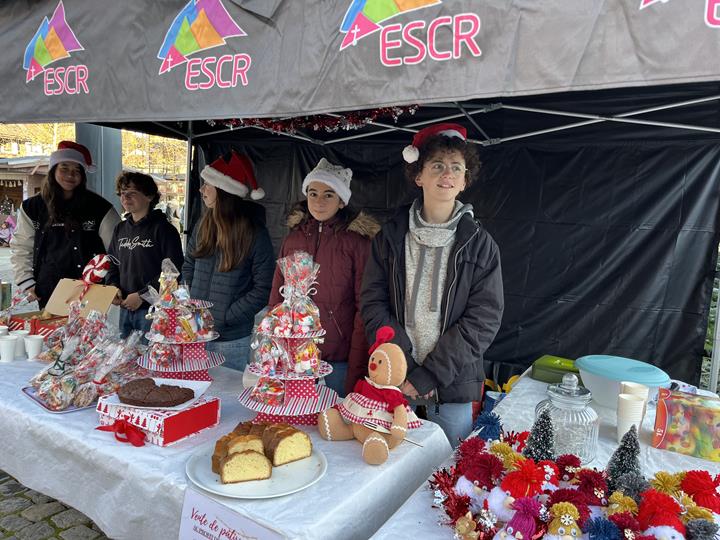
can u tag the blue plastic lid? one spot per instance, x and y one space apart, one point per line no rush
617 368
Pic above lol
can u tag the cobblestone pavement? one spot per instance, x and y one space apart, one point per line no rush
28 515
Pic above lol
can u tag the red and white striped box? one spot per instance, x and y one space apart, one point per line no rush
42 327
164 427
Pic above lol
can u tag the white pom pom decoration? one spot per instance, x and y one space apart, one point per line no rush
411 154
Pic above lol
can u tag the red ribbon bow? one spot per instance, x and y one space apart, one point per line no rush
122 427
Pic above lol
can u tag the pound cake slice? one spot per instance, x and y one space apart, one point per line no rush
240 443
288 445
244 467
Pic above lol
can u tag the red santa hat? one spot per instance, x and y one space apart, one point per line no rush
73 152
411 153
526 481
235 176
658 510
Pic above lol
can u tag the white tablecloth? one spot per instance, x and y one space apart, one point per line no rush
416 518
132 493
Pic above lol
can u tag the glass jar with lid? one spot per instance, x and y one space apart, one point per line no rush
575 423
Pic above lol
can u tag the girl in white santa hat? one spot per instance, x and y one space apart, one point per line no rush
61 228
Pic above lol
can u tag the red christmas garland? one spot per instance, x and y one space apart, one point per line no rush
344 121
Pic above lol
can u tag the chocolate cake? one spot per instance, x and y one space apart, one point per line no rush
145 393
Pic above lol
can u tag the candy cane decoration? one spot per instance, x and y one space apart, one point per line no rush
94 272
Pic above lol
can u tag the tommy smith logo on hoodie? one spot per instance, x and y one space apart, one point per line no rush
132 243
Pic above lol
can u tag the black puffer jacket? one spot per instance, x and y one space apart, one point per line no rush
236 295
471 309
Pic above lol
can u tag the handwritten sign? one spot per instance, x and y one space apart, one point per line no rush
206 519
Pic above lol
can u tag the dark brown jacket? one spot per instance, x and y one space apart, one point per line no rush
341 247
472 307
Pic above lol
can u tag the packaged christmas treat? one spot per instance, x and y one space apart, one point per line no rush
297 314
270 355
19 298
269 391
164 355
168 284
305 357
85 394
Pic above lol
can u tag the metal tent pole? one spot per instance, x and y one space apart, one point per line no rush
715 364
188 166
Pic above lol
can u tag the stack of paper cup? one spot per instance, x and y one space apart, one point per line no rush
629 412
3 330
636 389
7 348
33 346
20 343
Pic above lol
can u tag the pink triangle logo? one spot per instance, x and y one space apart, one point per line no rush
361 27
34 70
173 58
646 3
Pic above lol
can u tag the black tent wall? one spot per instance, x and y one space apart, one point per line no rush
607 247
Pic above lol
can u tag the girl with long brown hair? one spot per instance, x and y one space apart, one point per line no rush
229 258
61 228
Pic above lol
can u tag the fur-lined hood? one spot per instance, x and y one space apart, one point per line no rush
361 223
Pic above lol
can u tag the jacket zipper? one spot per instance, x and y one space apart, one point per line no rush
400 315
337 326
317 244
452 283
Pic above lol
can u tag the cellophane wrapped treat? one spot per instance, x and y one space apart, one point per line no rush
305 357
270 391
168 283
106 366
270 355
19 298
297 315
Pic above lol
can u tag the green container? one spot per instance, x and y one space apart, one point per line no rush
550 369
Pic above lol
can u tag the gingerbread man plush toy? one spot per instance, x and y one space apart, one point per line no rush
375 412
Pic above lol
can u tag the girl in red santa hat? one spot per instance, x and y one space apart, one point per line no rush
61 228
434 276
229 257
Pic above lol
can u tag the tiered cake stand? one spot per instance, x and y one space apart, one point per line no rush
196 360
304 396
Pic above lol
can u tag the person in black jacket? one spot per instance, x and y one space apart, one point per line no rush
434 276
139 244
61 228
229 259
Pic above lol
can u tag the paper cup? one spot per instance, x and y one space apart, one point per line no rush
629 412
636 389
3 330
20 343
33 346
7 348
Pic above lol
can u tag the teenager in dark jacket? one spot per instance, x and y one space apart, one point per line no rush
338 238
229 259
434 276
61 228
139 244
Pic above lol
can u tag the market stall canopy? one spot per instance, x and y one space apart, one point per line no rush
201 59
